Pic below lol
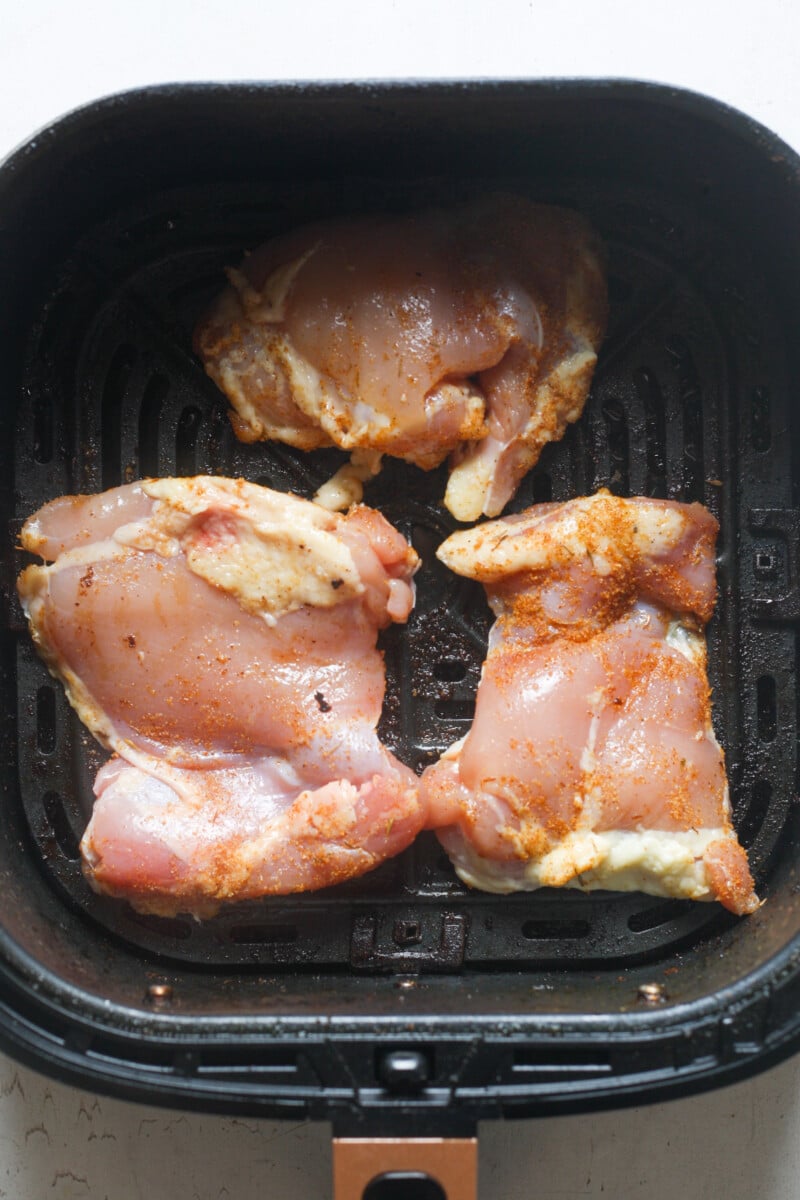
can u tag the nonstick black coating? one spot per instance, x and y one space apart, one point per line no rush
692 400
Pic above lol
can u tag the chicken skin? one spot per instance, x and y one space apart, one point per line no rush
592 760
470 332
220 638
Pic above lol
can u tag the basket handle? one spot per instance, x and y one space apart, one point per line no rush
405 1169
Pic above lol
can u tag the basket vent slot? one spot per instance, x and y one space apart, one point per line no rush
54 810
691 396
652 401
114 389
269 935
655 917
617 430
186 441
155 393
167 927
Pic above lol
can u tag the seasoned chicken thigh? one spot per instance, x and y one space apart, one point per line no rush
470 332
221 639
592 760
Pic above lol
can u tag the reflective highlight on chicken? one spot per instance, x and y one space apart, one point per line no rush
470 332
592 760
220 638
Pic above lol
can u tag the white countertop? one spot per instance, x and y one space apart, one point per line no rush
739 1143
55 56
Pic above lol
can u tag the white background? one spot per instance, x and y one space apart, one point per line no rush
56 1142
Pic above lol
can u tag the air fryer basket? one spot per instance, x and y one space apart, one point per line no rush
114 228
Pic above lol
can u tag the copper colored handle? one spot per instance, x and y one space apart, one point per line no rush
378 1165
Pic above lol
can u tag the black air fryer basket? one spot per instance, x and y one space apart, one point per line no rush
403 1002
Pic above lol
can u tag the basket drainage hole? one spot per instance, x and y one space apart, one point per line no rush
407 933
186 436
404 1185
654 406
168 927
449 670
554 928
766 709
59 823
760 799
766 565
618 448
655 917
112 405
263 934
155 393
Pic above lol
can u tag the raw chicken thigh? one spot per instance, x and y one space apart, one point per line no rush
470 332
592 760
221 639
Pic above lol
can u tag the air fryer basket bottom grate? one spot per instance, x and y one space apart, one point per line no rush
688 402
